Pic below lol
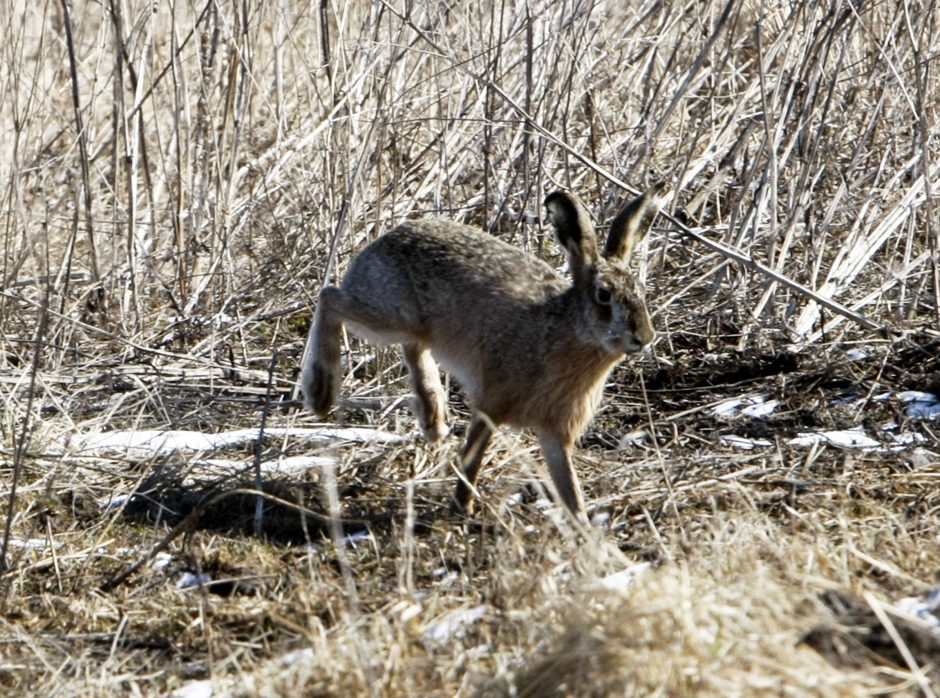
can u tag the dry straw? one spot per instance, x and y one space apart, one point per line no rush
180 178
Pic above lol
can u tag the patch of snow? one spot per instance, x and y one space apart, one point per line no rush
920 405
357 537
856 438
161 561
288 464
195 689
453 625
296 657
624 580
924 610
29 543
113 501
406 611
908 438
761 409
633 438
219 320
921 458
350 540
847 438
543 504
481 651
728 408
744 442
189 580
754 406
154 442
916 396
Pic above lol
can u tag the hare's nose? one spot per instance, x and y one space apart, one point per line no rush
643 329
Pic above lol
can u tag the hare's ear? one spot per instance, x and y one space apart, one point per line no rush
576 234
633 223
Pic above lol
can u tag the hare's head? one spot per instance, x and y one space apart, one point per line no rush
618 318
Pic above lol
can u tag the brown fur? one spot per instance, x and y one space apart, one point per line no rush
529 348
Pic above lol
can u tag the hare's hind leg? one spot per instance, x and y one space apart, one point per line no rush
322 372
430 403
557 453
478 438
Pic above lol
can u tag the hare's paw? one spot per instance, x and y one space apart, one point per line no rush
461 502
429 405
320 389
434 432
430 409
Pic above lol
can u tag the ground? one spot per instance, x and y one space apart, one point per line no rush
738 563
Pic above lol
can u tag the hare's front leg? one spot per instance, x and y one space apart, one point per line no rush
557 453
322 372
478 438
430 402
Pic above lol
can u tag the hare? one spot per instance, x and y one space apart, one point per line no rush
529 348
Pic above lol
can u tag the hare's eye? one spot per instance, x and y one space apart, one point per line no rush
603 295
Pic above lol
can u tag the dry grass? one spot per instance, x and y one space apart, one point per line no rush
178 182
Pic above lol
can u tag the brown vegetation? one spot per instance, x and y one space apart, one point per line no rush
180 179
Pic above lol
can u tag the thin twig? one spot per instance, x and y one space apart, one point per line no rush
82 141
259 445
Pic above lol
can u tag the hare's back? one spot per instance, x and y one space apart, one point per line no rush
435 256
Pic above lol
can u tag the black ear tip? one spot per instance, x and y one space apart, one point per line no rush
658 195
558 198
562 208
